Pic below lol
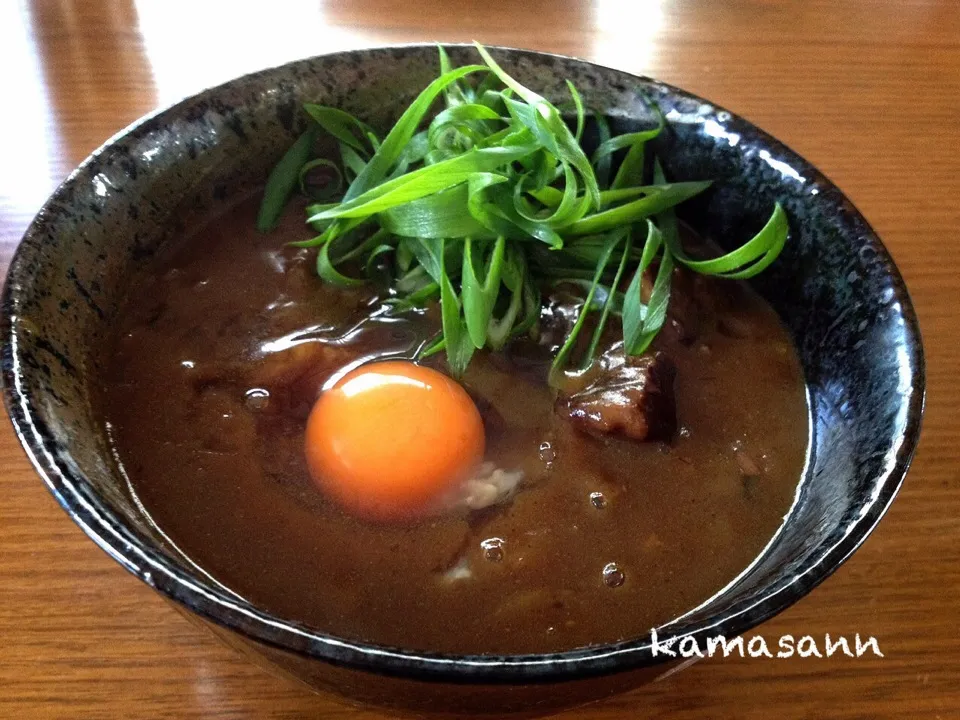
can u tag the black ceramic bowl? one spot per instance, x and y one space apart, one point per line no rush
835 286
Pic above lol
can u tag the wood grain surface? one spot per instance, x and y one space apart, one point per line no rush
869 90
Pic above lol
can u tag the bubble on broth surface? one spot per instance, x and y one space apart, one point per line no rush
256 398
492 549
598 500
612 575
547 453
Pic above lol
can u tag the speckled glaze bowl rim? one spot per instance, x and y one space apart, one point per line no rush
137 555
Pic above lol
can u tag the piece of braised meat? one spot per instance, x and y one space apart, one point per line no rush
627 396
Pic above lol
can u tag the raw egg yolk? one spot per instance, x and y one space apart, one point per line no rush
391 439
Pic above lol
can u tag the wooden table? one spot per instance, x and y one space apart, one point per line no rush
869 90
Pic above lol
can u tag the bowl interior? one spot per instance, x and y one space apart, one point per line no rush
834 285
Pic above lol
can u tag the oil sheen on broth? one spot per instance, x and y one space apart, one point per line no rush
221 352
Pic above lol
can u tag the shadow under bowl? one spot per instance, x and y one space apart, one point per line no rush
835 287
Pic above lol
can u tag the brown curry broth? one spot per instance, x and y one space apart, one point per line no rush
229 486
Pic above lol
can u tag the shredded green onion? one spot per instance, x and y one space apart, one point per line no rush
486 203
